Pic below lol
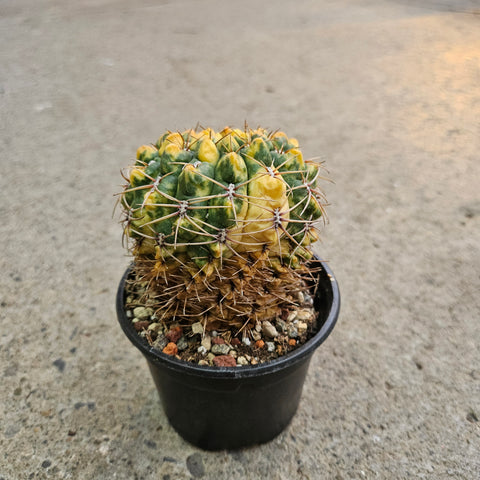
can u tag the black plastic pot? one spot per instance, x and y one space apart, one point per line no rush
219 408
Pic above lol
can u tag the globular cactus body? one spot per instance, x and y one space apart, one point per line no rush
222 205
232 192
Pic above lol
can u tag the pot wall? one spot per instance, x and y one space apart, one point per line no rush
228 413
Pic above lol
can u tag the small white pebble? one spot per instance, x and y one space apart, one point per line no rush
242 360
197 328
304 314
143 313
302 327
292 316
269 330
202 350
246 341
207 342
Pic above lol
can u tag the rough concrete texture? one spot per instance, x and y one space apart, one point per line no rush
387 92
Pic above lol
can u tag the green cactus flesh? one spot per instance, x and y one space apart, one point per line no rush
206 207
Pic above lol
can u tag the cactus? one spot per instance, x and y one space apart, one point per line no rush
224 220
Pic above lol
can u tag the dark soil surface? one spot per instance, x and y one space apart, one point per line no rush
261 342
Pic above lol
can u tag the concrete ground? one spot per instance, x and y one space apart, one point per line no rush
385 91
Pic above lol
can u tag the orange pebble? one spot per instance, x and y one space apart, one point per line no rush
170 349
292 342
259 343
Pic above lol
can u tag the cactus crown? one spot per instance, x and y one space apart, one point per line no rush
221 219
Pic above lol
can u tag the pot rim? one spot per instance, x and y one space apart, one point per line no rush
242 371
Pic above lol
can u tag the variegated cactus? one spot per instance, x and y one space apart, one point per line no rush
223 211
